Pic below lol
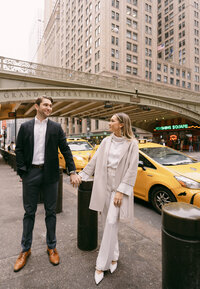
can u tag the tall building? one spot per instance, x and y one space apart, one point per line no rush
178 42
36 34
48 8
51 39
108 37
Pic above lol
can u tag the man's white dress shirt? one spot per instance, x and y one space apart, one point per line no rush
40 129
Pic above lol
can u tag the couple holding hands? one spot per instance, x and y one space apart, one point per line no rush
114 166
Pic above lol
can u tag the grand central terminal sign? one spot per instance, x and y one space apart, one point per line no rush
61 94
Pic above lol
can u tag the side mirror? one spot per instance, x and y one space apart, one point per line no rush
141 165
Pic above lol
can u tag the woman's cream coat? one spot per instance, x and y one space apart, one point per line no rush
126 172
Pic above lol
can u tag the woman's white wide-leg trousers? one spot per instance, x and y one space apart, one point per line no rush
109 248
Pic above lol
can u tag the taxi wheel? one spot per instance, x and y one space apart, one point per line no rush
161 196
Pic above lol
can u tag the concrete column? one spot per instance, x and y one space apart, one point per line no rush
70 125
84 125
77 130
64 124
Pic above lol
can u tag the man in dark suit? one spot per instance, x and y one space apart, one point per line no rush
38 165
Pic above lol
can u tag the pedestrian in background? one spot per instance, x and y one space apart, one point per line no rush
37 164
190 145
197 143
182 144
115 169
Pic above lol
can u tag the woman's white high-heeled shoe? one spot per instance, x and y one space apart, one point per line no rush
113 267
98 277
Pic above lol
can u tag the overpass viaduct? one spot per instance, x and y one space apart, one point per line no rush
78 94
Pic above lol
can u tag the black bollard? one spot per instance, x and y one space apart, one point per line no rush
180 246
87 219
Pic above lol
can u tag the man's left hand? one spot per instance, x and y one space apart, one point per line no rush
75 179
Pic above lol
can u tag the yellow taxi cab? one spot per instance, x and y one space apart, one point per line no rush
166 175
82 152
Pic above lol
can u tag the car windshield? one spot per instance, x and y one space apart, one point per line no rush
80 146
167 156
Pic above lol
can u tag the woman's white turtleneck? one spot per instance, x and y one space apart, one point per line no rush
115 151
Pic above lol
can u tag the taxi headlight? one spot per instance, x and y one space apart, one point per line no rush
187 183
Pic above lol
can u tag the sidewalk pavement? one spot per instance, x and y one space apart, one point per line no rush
139 266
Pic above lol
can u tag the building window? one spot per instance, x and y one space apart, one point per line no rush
112 65
134 48
128 21
135 71
177 72
97 55
135 25
135 59
128 57
158 77
134 36
134 13
128 34
128 45
159 66
97 67
97 43
165 79
128 69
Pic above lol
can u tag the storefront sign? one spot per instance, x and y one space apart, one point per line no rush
174 126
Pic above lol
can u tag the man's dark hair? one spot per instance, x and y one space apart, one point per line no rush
39 99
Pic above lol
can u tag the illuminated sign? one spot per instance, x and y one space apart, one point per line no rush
174 126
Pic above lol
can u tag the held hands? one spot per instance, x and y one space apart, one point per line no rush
118 199
75 180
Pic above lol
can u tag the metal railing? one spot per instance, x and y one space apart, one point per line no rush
36 70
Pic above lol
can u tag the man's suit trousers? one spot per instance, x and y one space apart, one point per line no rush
33 184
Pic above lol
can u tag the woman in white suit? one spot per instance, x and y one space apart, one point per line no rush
114 166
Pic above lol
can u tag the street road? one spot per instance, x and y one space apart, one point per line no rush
145 213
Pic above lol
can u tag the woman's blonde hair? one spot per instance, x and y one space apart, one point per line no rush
126 129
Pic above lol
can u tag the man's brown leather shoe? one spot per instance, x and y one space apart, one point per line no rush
21 260
53 256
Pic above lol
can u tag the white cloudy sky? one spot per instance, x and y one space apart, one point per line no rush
16 20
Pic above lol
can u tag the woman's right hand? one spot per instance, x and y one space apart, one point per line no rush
118 199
